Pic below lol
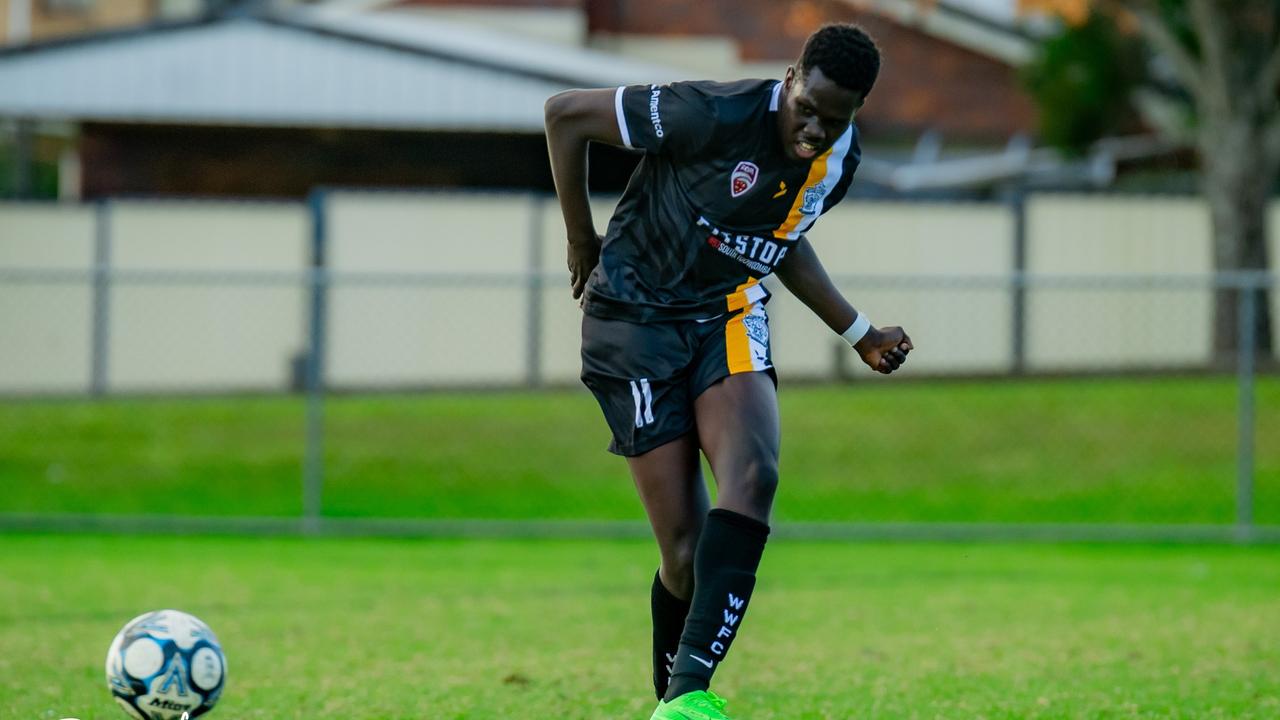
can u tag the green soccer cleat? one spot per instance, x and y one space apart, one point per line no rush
697 705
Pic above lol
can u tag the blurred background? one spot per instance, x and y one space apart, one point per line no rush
298 267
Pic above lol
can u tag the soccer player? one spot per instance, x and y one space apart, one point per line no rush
675 340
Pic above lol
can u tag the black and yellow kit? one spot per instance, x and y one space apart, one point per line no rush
714 207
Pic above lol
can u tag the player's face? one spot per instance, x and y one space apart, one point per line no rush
814 114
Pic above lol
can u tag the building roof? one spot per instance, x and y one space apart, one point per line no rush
306 68
1008 43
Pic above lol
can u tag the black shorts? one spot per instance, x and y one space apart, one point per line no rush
647 375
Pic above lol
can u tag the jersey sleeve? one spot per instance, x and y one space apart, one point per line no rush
676 119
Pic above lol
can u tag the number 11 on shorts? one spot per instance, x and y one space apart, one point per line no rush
643 396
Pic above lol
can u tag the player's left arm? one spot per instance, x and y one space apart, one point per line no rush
574 119
882 349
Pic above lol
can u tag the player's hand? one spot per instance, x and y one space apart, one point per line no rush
584 253
884 349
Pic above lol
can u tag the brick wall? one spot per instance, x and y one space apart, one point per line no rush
48 22
925 82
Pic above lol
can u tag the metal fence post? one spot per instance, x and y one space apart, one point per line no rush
101 294
317 277
23 149
1245 365
533 321
1018 340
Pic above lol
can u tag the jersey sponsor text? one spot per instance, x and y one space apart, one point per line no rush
758 253
654 117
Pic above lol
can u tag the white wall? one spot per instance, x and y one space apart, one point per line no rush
561 316
220 336
396 335
954 329
230 335
45 332
1102 329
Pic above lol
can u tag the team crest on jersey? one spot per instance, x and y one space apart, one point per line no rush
813 198
743 178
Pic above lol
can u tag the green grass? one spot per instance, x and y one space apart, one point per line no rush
368 629
1117 450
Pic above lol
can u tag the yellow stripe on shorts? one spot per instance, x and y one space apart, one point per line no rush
737 347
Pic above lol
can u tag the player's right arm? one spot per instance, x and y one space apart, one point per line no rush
882 349
575 118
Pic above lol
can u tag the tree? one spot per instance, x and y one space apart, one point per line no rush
1083 79
1225 54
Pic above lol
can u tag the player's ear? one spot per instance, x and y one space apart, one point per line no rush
789 78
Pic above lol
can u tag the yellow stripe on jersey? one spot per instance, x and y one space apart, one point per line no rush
824 173
817 171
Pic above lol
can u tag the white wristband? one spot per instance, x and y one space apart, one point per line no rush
857 330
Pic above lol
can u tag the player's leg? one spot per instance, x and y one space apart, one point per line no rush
637 373
669 481
736 415
738 430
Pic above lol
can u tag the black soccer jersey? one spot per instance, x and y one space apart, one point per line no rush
715 204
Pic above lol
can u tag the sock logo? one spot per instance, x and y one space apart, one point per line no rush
708 663
671 663
730 621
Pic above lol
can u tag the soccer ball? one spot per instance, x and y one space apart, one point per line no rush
165 664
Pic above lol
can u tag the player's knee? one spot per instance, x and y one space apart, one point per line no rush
759 480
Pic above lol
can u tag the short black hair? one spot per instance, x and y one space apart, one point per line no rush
845 53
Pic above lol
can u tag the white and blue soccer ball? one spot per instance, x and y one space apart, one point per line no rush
165 663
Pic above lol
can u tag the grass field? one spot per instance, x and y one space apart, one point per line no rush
386 629
1115 450
366 629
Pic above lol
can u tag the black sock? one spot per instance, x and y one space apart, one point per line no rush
669 613
724 572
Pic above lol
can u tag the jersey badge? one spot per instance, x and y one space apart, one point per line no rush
782 189
813 198
743 178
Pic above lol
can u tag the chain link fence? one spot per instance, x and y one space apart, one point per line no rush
270 353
